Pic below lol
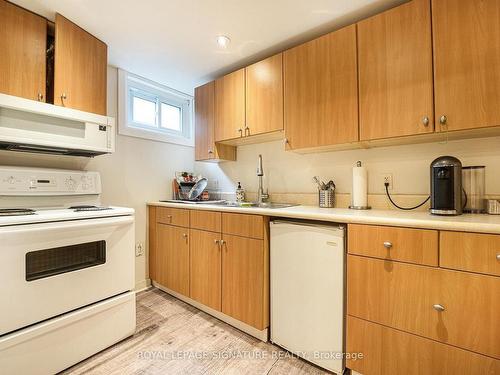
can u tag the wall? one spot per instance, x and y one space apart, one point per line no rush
139 171
289 172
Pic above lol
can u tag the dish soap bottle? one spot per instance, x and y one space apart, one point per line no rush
240 193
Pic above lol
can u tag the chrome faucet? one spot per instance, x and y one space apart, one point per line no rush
261 196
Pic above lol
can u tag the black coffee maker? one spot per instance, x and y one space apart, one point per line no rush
446 186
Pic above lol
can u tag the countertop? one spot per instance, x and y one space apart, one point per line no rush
464 223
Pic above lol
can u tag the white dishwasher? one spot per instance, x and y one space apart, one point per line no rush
307 291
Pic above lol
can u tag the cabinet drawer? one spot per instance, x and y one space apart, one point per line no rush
408 297
243 225
418 246
387 351
472 252
205 220
173 216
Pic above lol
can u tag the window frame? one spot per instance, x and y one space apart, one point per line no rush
149 90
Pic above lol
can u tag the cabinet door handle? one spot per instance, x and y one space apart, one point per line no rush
387 244
438 307
247 128
40 96
221 244
498 256
240 130
425 121
210 152
443 120
184 235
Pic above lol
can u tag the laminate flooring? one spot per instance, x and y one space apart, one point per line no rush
173 337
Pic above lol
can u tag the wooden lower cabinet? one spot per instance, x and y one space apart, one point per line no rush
205 268
225 272
244 225
418 246
172 258
456 308
244 275
474 252
387 351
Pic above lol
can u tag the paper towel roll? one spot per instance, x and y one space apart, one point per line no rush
359 195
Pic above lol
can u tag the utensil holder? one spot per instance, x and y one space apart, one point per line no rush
326 198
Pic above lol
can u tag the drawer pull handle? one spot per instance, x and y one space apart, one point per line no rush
184 235
438 307
217 242
387 244
498 256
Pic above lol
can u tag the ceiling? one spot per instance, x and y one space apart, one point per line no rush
173 41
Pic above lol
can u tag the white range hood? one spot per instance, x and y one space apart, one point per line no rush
31 126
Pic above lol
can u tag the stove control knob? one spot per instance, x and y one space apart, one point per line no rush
70 183
11 180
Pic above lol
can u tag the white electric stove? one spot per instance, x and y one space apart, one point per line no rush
67 273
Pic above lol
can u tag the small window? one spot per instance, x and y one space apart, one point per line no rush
150 110
171 117
143 110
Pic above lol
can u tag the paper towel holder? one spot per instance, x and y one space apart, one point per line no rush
358 164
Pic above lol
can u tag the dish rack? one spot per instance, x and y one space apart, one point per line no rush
180 191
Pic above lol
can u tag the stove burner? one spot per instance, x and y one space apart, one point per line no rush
16 211
88 208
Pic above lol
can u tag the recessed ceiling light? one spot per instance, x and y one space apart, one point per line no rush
223 41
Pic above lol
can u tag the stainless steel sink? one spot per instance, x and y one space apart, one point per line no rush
271 205
234 204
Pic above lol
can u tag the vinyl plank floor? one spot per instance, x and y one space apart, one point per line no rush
173 337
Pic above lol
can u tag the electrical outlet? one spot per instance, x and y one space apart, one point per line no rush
139 249
387 178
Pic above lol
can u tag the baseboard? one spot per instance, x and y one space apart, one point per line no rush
252 331
142 285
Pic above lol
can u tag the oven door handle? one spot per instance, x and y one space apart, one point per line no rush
83 224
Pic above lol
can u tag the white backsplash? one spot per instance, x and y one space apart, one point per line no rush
289 172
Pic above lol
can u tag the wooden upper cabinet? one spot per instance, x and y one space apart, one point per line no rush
264 96
79 69
204 121
395 72
321 91
23 42
466 63
204 109
230 106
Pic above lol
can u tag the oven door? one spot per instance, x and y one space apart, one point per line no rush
48 269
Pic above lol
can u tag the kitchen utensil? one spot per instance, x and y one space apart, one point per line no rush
326 198
198 188
321 185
